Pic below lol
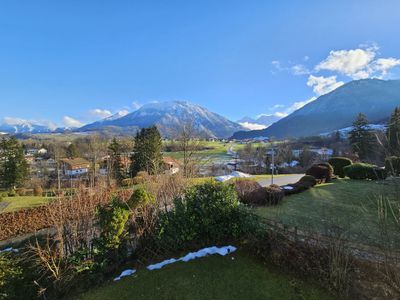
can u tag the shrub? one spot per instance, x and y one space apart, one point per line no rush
112 219
321 172
37 191
207 213
392 165
338 163
138 180
364 171
21 192
10 274
140 197
12 193
127 182
244 188
308 181
274 195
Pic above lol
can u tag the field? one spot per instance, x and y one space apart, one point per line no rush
346 206
20 202
232 277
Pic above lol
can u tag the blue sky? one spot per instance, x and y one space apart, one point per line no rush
72 62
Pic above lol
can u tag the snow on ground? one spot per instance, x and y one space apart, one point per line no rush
10 249
234 174
188 257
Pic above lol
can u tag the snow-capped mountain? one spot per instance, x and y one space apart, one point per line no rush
169 117
15 126
261 122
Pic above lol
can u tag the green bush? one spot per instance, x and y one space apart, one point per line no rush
10 274
364 171
338 163
140 197
111 220
12 193
321 172
392 165
308 181
207 213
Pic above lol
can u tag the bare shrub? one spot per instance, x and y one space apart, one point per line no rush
244 188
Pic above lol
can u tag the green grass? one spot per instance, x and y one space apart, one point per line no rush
20 202
350 206
232 277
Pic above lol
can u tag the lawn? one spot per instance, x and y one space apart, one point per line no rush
348 206
20 202
215 277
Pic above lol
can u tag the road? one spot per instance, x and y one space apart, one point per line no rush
281 180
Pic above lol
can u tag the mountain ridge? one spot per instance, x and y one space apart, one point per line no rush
335 110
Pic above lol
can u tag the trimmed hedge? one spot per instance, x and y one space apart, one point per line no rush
392 165
274 194
364 171
338 163
308 181
321 172
244 188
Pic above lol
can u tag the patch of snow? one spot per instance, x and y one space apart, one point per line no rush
234 174
194 255
10 249
126 273
289 188
161 264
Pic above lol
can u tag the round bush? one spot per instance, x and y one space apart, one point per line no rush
273 195
364 171
321 172
392 165
338 163
244 189
140 197
308 181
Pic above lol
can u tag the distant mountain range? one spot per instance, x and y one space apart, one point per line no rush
23 126
168 117
336 110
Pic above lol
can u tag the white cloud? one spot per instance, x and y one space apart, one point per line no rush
353 63
358 63
252 126
293 107
14 121
123 112
300 69
322 85
100 113
136 105
71 122
383 65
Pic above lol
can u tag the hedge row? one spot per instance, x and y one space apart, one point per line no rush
364 171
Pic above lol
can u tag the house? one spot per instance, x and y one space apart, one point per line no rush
171 166
74 166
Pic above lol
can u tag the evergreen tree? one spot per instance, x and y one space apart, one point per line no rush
147 151
393 132
116 166
72 151
14 169
361 138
